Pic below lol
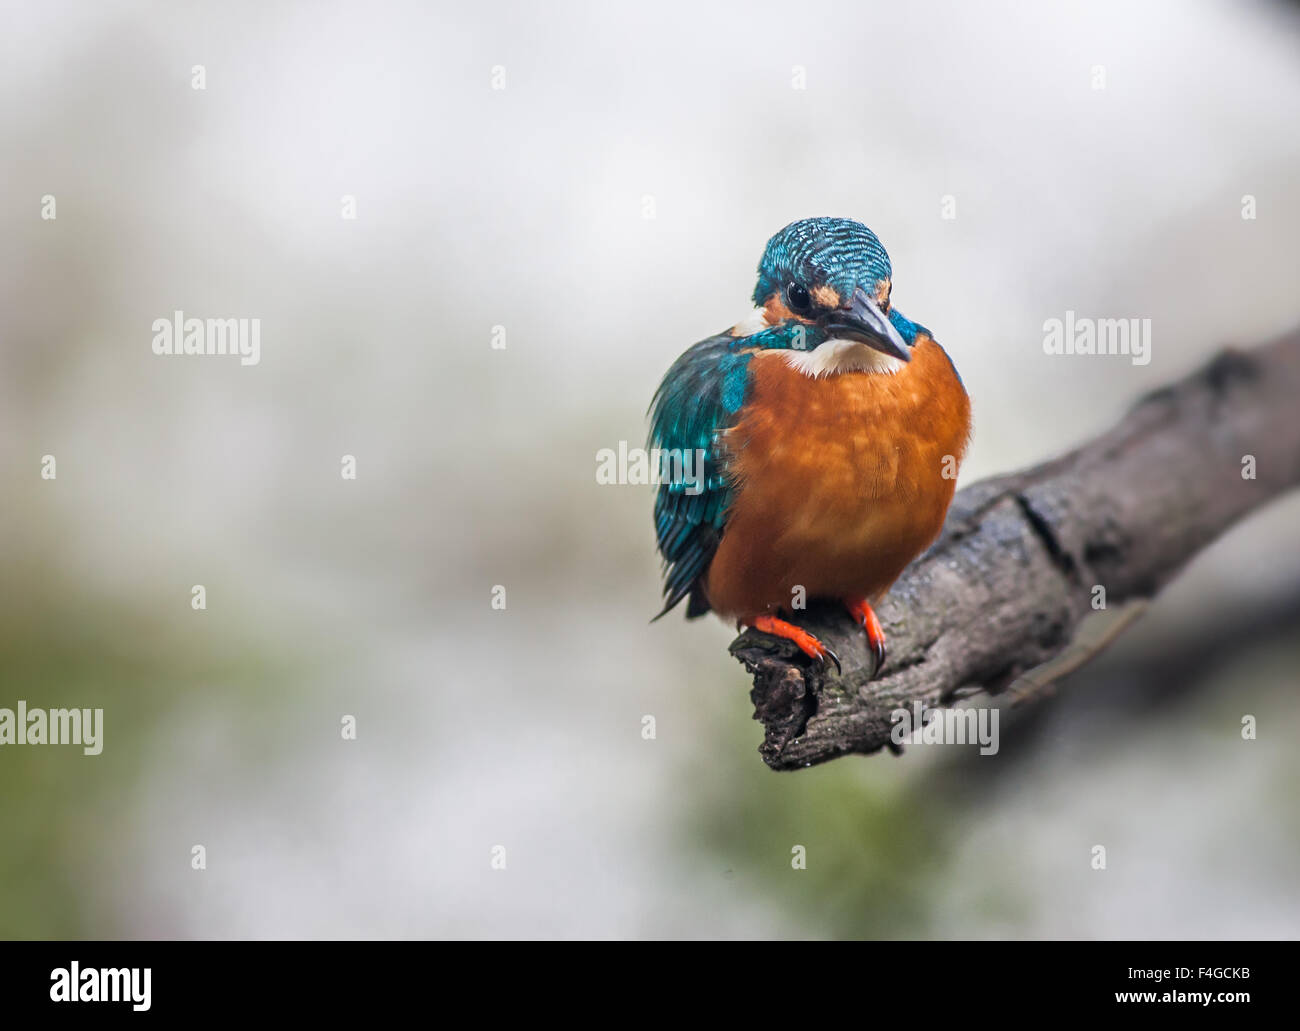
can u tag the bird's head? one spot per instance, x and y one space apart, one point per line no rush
823 286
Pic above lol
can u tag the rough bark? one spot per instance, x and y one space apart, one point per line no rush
1007 584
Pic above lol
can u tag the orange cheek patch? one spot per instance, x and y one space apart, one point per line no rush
882 292
776 311
826 296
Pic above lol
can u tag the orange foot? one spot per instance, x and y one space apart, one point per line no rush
865 617
808 644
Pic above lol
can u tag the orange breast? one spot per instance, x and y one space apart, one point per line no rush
841 480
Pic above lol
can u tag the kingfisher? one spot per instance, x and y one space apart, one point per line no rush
828 429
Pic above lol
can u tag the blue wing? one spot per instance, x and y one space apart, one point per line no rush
697 400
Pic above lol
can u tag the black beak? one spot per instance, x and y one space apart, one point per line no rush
862 320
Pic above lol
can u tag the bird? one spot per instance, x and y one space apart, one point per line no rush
827 429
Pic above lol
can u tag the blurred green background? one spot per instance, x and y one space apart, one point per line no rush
524 207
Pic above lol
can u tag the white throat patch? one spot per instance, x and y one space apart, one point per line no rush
835 356
754 322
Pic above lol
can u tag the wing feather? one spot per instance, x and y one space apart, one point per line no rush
697 401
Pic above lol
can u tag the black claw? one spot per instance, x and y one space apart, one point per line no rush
835 659
878 650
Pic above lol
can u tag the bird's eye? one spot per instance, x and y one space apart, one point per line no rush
798 297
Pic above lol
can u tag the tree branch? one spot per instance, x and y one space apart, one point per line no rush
1005 587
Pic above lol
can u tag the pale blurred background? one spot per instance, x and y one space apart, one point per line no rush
524 207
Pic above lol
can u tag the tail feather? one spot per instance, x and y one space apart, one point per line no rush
697 606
